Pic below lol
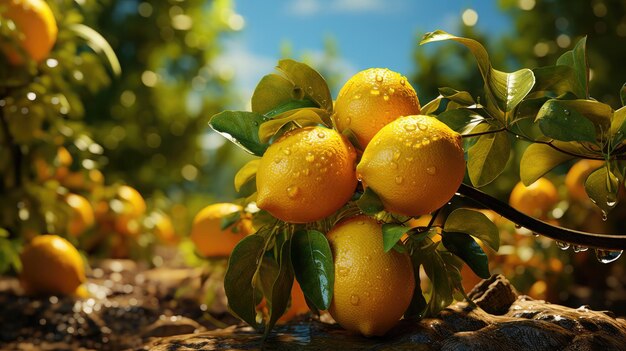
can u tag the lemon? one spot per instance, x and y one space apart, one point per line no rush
415 164
372 288
306 175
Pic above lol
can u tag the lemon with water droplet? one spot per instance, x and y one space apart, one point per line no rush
327 186
362 301
435 170
364 104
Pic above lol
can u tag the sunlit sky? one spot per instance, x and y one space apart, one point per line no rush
368 33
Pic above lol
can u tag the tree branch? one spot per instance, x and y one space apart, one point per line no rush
594 240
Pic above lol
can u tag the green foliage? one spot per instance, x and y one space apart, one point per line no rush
369 202
313 264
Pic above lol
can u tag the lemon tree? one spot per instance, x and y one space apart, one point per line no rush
356 248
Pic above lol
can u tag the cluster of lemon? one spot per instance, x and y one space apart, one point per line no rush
413 162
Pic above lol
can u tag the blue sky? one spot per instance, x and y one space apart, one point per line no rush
368 33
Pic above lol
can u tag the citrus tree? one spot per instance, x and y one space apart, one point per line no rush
352 198
50 166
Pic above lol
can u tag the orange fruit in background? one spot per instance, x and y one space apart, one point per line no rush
576 177
38 28
163 228
59 169
306 175
134 207
83 180
535 200
82 217
371 99
297 306
51 265
210 239
372 288
415 164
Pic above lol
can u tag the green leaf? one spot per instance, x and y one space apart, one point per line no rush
622 94
369 202
392 234
432 106
239 279
602 186
555 79
618 126
539 159
488 156
562 122
281 290
313 263
265 278
462 98
460 120
246 173
508 89
229 220
241 128
309 80
303 117
465 247
273 90
98 44
291 105
475 224
442 291
577 59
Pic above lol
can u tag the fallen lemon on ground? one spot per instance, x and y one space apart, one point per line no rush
38 28
372 288
210 239
414 164
371 99
306 175
51 265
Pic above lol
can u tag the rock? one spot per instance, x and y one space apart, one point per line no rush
521 323
168 326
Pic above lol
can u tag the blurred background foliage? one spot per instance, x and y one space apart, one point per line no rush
148 127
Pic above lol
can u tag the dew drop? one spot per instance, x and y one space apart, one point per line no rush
348 121
293 191
386 97
391 91
321 135
562 245
379 78
422 126
399 179
277 160
608 256
605 216
318 179
611 200
286 151
536 235
354 299
517 226
425 142
578 248
402 81
356 97
432 170
410 127
393 165
309 89
343 271
310 157
375 91
396 155
566 112
360 222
